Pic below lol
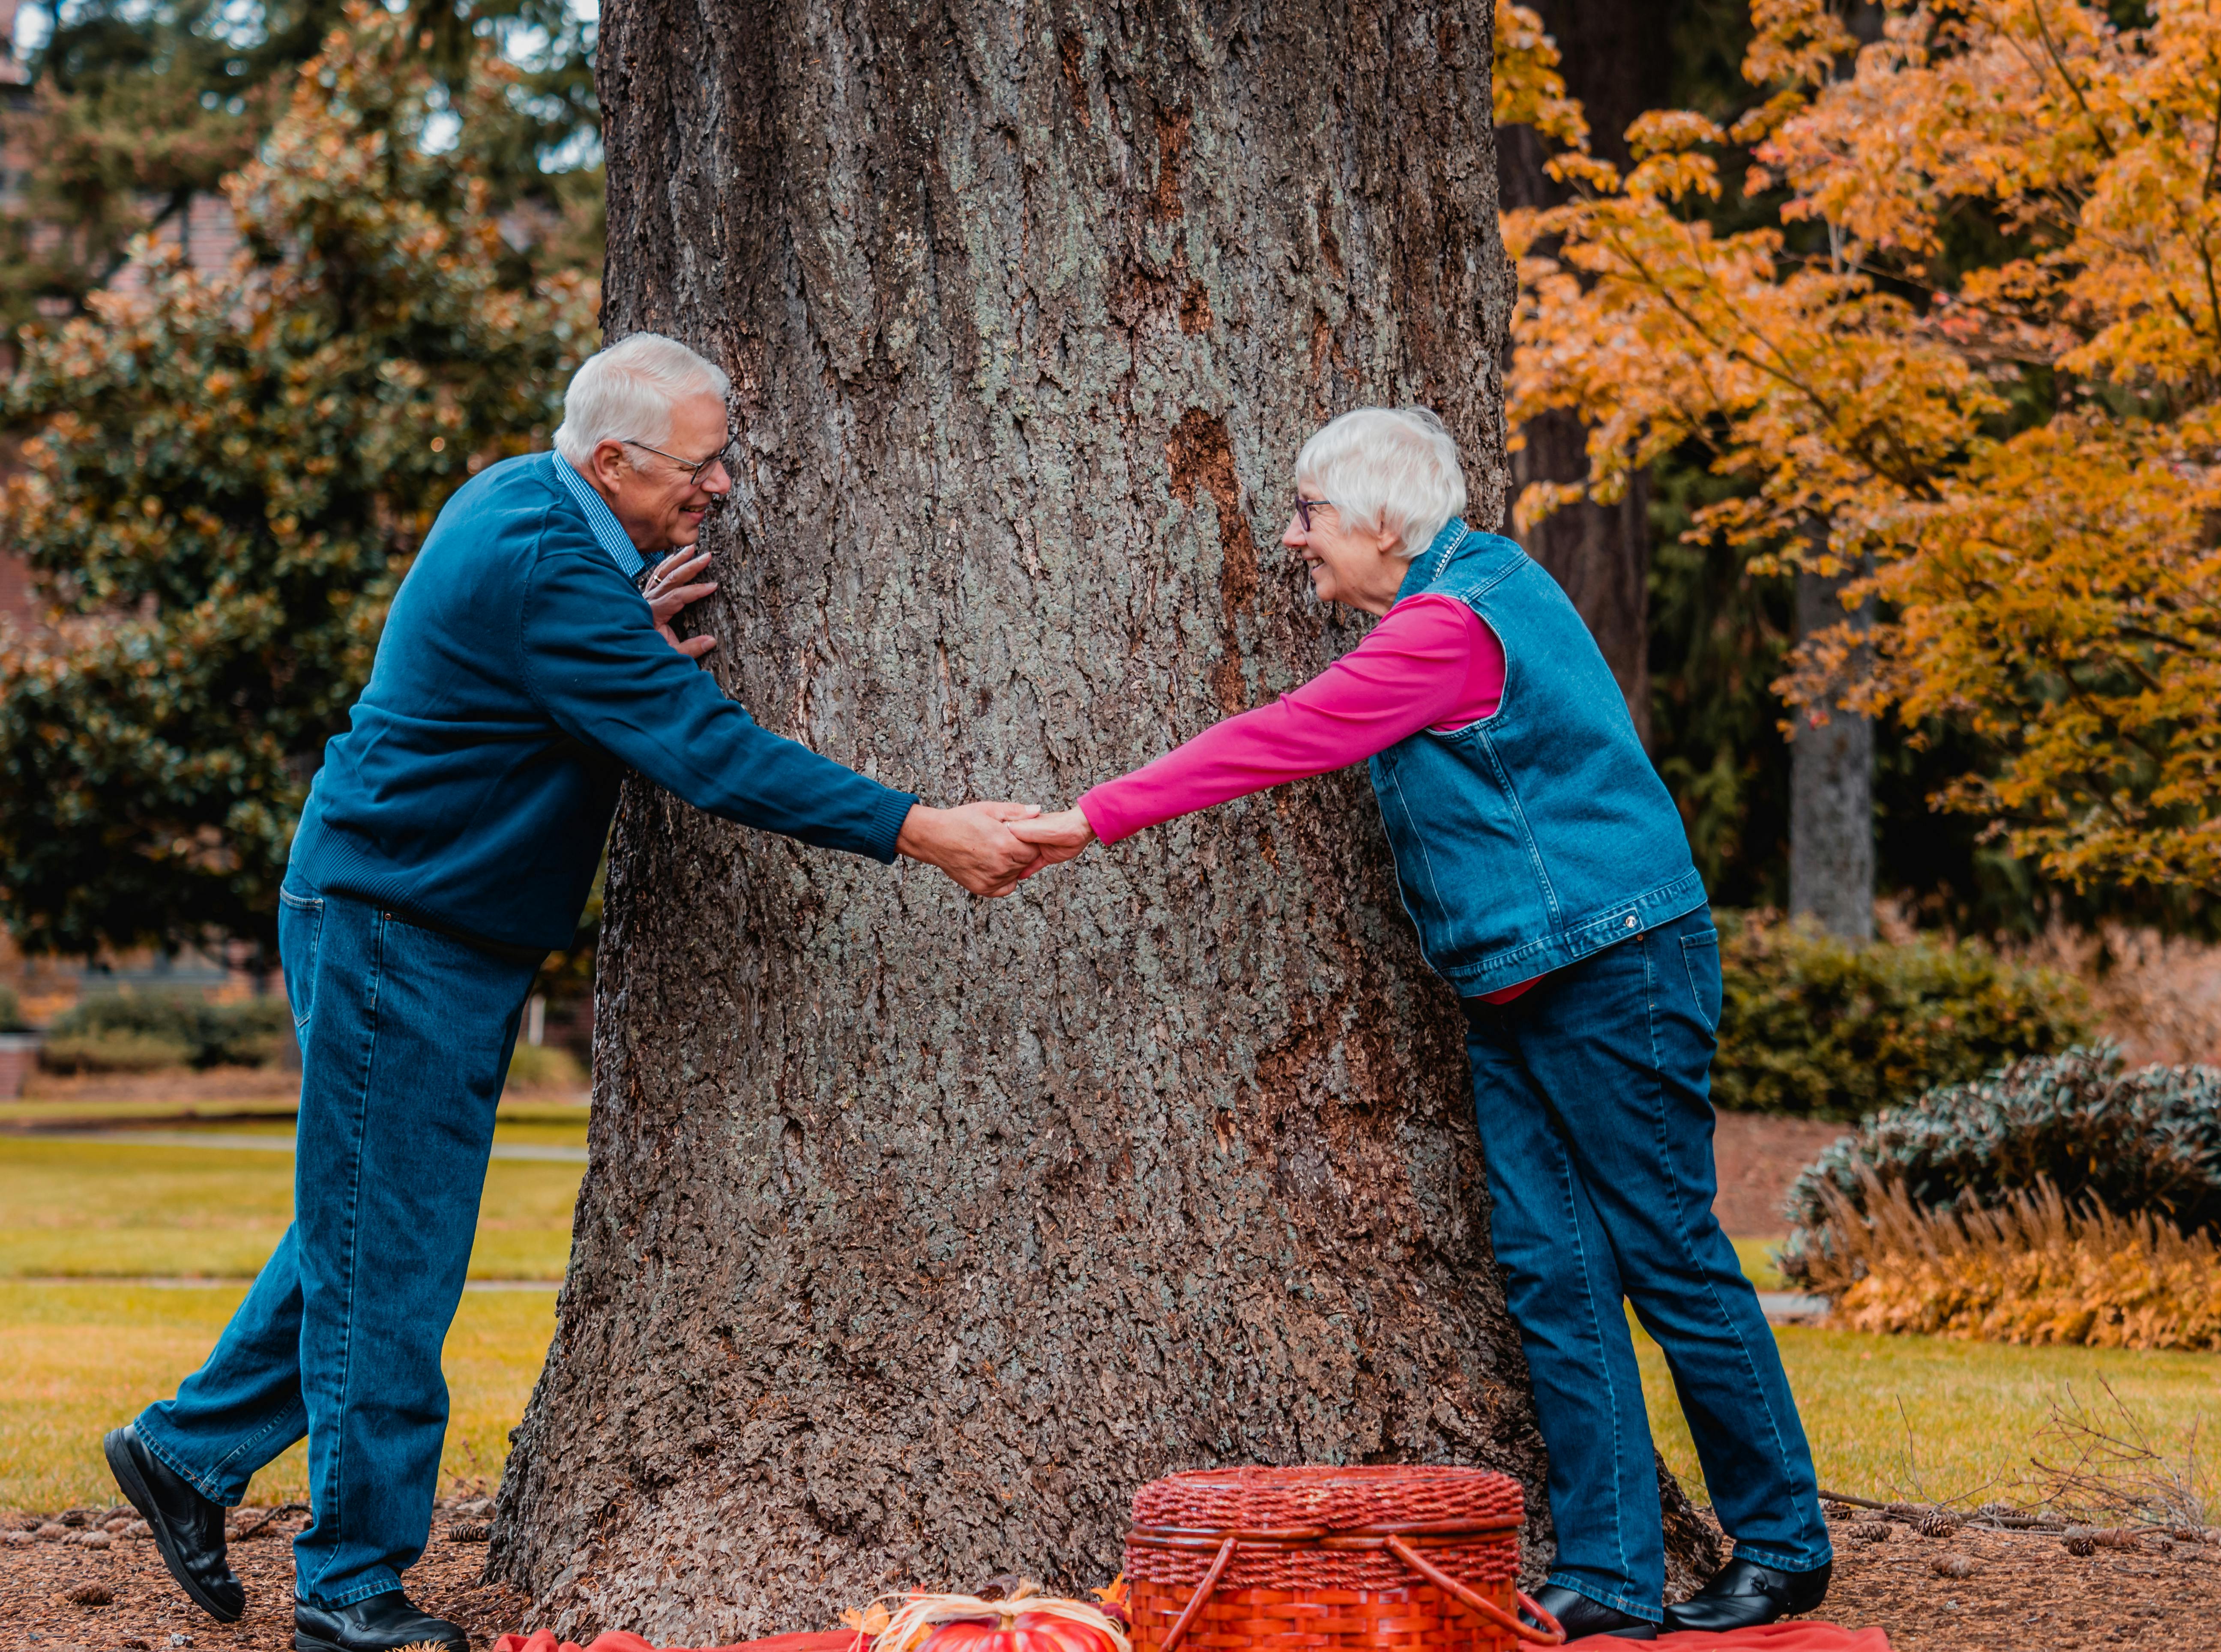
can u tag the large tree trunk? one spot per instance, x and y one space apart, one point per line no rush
1831 837
920 1230
1616 56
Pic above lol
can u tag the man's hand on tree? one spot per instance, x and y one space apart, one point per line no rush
972 844
667 592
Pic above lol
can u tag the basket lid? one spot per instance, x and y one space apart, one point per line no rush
1333 1498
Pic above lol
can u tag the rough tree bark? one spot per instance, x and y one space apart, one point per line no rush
1616 56
920 1230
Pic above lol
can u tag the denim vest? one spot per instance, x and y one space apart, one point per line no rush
1540 834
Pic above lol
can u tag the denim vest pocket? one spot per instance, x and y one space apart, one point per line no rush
300 931
1700 957
1454 825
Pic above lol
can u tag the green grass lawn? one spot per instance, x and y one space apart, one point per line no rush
81 1358
87 1352
1974 1409
1756 1256
127 1210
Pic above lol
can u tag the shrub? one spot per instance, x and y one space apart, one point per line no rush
11 1011
545 1066
1815 1026
2033 1270
120 1032
2145 1141
113 1052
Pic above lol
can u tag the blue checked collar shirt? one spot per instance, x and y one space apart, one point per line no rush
608 532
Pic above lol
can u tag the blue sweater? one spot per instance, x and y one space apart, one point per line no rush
520 673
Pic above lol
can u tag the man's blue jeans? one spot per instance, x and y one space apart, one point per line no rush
1593 1094
405 1037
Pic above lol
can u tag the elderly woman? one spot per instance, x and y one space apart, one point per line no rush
1548 876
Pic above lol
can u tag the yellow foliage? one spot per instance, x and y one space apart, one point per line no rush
2032 1272
1528 89
2022 460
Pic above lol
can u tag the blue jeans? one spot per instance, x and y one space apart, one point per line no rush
1593 1094
405 1037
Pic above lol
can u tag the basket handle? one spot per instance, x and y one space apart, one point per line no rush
1202 1593
1551 1633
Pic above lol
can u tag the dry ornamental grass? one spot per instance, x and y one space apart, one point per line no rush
2032 1271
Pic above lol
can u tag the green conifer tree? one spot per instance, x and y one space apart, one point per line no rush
229 476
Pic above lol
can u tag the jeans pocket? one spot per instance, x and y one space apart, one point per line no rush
300 930
1700 957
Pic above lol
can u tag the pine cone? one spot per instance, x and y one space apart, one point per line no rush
1869 1531
470 1531
1955 1566
1936 1523
91 1594
2079 1543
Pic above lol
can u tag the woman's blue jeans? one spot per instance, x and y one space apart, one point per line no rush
406 1038
1593 1094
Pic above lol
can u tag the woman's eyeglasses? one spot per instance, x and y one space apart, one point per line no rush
1304 507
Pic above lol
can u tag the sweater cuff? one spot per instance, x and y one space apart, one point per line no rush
1103 819
887 819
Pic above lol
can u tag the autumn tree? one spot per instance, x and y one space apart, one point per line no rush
1987 408
919 1232
229 476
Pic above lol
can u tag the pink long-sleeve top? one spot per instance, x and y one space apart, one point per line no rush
1430 664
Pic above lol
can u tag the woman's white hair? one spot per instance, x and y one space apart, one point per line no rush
1387 467
626 392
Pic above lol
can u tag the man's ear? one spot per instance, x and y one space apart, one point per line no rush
609 463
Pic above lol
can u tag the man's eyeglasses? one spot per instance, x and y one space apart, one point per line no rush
694 471
1304 507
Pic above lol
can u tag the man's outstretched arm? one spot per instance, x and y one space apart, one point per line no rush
594 660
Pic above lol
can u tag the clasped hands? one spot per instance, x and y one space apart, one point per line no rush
992 847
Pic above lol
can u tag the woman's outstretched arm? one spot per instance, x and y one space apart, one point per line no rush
1431 663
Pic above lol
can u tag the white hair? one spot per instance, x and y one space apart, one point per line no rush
626 392
1382 467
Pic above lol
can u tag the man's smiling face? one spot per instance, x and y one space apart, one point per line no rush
653 491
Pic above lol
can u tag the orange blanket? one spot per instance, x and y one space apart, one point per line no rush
1771 1637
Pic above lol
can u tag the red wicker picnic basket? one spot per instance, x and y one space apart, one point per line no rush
1369 1559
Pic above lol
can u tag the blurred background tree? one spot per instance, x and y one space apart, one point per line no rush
135 110
228 475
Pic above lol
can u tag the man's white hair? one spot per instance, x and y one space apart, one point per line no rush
1387 467
626 392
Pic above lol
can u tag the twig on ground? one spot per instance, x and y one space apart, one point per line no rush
1929 1505
1827 1496
2118 1469
255 1531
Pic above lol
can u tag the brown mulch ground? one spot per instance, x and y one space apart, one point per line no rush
1758 1158
2025 1593
148 1613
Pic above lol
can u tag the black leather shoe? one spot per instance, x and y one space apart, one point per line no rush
1580 1617
378 1624
1743 1593
188 1528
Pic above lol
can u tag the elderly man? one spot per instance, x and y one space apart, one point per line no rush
447 848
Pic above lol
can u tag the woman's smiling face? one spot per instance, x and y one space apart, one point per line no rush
1356 567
